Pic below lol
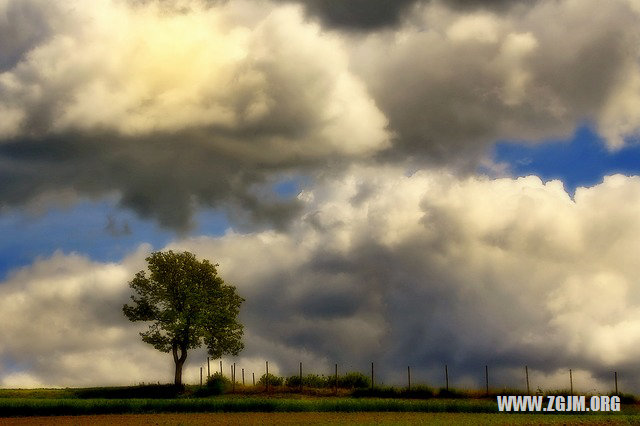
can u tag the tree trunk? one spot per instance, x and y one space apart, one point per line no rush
179 360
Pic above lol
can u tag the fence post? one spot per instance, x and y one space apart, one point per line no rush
208 368
267 376
446 377
243 377
301 377
409 376
486 377
372 376
526 372
615 377
336 379
254 378
200 376
571 380
220 368
233 379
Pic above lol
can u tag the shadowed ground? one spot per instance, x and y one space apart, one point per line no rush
324 418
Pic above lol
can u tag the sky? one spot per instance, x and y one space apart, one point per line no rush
418 182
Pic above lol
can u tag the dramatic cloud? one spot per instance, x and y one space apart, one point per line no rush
200 102
420 270
212 103
368 15
452 83
357 14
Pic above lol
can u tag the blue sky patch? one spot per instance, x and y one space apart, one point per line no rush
581 161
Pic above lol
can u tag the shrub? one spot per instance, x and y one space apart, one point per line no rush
218 384
273 380
419 391
353 380
451 393
292 381
626 398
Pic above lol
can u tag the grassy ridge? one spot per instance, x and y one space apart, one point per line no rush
11 407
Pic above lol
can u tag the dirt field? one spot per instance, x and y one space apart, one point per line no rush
319 419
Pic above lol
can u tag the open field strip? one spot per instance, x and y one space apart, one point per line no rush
374 418
10 407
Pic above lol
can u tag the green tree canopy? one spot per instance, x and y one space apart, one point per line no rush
188 304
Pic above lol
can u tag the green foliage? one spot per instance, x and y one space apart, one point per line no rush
452 393
419 391
217 384
273 380
188 306
626 398
315 381
353 380
309 381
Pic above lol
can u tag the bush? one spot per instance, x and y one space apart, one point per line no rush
273 380
315 381
419 391
292 381
218 384
353 380
452 393
310 381
626 398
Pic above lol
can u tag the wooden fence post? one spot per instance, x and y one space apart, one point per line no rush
243 377
301 377
233 379
200 376
409 377
486 377
571 380
267 376
372 383
446 377
526 372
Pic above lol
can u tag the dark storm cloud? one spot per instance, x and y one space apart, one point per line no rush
370 15
155 178
357 14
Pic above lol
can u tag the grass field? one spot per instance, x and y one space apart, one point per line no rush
10 407
161 405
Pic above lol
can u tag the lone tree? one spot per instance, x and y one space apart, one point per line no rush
189 304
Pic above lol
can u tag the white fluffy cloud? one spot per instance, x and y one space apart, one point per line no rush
420 269
113 94
200 68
